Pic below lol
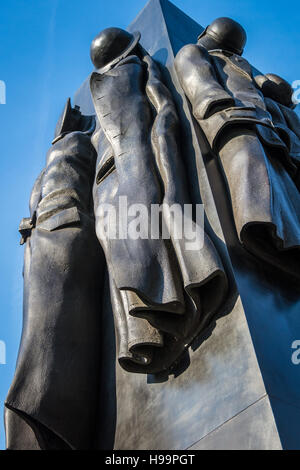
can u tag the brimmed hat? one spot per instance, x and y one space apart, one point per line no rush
111 46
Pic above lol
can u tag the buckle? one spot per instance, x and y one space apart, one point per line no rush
25 228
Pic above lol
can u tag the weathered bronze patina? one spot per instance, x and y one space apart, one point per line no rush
256 139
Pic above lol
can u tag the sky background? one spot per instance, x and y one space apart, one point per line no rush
44 50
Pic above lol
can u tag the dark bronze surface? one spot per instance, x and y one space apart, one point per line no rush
271 300
162 293
69 390
224 33
260 171
110 46
56 384
221 376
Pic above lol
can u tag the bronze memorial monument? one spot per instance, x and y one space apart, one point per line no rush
137 334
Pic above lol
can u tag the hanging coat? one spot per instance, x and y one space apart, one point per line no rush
287 125
233 115
163 294
55 391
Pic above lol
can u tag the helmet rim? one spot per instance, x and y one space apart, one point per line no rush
135 38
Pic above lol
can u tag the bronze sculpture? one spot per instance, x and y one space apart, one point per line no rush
58 363
233 114
279 101
162 294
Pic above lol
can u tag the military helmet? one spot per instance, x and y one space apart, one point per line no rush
276 88
226 34
112 45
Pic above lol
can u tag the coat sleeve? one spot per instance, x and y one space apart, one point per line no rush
199 81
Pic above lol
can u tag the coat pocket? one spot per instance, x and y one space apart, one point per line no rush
61 219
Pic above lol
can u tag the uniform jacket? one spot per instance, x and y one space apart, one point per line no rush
222 79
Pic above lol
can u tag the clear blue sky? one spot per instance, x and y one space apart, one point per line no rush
44 50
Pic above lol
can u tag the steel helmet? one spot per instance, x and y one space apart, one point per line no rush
227 34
